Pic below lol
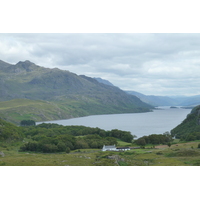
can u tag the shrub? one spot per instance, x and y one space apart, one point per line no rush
67 150
183 153
122 163
27 123
159 153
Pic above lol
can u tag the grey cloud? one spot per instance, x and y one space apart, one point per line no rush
148 63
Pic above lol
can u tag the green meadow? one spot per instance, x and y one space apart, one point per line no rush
57 145
180 154
38 110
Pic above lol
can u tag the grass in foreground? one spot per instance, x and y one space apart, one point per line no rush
181 154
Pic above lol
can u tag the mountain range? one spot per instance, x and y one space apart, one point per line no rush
33 92
153 100
162 100
167 100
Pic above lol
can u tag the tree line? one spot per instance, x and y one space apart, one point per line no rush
27 123
164 138
51 138
82 131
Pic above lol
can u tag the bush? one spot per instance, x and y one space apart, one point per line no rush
154 139
141 142
122 163
199 145
183 153
49 148
67 150
27 123
169 144
61 147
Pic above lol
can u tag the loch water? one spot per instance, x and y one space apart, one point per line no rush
156 122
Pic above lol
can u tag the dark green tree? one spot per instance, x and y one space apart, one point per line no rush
27 123
61 147
67 150
141 142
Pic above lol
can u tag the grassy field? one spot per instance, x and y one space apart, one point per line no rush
181 154
123 144
19 109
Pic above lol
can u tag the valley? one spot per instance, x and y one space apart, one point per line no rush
58 145
32 92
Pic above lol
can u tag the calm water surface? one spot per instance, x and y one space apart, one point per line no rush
139 124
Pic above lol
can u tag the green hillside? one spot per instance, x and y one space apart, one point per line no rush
50 94
54 138
19 109
189 129
9 132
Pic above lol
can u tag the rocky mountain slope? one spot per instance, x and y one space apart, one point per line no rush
106 82
75 95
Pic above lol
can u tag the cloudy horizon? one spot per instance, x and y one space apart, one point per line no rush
152 64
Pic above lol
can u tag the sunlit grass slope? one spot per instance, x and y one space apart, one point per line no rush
38 110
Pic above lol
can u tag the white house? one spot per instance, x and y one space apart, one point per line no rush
109 148
113 148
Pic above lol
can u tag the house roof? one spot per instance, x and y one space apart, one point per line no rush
108 147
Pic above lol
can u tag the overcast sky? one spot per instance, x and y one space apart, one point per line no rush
153 64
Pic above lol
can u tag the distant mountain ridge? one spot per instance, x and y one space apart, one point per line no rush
162 100
155 100
167 100
190 101
75 95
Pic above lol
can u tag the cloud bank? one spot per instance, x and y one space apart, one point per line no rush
157 64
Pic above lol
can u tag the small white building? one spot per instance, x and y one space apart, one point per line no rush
109 148
114 148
